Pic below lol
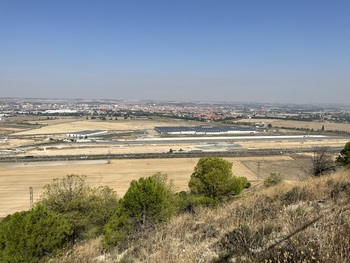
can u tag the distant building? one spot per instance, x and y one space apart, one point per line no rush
86 134
213 130
59 111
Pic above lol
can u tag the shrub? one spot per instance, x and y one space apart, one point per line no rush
273 179
29 236
86 209
239 183
344 157
239 242
321 162
148 202
295 195
189 203
118 230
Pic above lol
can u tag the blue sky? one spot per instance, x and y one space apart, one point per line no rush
240 50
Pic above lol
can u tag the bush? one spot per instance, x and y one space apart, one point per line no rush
344 157
86 209
189 203
148 202
239 242
322 162
118 230
239 183
295 195
273 179
29 236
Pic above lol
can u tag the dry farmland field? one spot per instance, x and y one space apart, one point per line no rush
63 126
16 178
45 137
328 126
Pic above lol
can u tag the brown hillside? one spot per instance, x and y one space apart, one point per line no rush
305 221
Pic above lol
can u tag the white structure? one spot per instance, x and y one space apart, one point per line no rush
86 134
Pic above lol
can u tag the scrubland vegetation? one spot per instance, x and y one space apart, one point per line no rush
305 221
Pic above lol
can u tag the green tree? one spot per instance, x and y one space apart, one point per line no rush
30 236
86 209
119 229
344 157
213 178
103 202
148 202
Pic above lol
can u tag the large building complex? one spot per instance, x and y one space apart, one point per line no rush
203 130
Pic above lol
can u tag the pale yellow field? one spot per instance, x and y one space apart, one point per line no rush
88 149
63 126
116 149
302 124
334 142
58 127
16 178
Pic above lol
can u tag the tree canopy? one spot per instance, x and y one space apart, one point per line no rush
29 236
213 178
147 202
86 209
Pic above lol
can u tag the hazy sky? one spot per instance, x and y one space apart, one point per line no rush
295 51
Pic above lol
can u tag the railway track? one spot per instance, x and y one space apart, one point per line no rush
193 154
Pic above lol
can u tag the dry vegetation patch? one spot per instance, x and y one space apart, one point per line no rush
300 222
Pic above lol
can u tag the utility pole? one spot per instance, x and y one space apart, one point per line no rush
31 197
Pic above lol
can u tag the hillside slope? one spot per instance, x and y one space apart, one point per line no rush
305 221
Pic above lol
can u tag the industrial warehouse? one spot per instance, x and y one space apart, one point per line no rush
203 130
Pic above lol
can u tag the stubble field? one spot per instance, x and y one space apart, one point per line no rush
16 178
74 125
328 126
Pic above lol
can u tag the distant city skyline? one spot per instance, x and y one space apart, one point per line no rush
243 51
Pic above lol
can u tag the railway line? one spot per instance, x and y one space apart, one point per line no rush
189 154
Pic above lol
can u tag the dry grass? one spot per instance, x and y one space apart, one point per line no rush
325 142
293 222
85 252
